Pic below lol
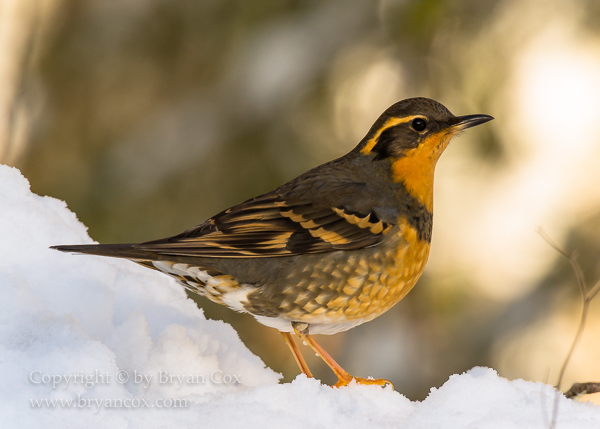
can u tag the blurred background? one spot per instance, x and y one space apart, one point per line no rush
147 117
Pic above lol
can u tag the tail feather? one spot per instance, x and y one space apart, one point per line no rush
127 251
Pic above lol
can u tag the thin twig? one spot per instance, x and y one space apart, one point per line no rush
586 298
592 293
572 258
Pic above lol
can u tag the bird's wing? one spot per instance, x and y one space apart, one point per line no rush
277 225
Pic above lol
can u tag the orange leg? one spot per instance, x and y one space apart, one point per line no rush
296 352
343 377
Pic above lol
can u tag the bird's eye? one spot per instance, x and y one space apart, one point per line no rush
419 124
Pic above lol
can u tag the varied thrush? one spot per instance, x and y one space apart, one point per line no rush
329 250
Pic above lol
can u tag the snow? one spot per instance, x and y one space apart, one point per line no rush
124 344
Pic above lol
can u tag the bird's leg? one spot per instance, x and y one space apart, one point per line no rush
289 340
344 378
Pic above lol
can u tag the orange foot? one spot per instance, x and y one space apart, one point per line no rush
344 378
379 382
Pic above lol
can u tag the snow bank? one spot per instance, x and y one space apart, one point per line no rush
95 342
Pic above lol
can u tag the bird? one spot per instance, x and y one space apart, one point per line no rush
327 251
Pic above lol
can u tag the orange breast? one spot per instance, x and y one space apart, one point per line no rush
357 285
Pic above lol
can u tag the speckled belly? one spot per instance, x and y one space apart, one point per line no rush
350 287
332 292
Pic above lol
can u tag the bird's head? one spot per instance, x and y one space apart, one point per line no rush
412 134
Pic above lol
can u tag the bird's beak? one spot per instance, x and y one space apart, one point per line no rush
459 123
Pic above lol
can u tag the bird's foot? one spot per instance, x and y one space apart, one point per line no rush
379 382
344 379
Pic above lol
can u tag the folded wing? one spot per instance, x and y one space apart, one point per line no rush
269 226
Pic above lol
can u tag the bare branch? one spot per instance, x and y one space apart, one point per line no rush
579 389
572 258
592 293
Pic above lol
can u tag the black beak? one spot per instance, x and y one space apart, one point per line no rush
468 121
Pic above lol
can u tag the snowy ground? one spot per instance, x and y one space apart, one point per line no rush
122 347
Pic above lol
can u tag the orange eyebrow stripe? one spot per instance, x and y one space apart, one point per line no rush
392 122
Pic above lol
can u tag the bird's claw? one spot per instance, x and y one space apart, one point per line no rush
370 381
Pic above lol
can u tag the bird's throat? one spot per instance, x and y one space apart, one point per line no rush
415 169
416 173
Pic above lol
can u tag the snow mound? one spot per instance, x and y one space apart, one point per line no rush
96 342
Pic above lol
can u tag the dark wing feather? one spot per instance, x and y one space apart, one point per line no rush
271 225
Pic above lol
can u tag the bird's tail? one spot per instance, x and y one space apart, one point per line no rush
127 251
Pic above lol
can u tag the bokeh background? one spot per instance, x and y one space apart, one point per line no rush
147 117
